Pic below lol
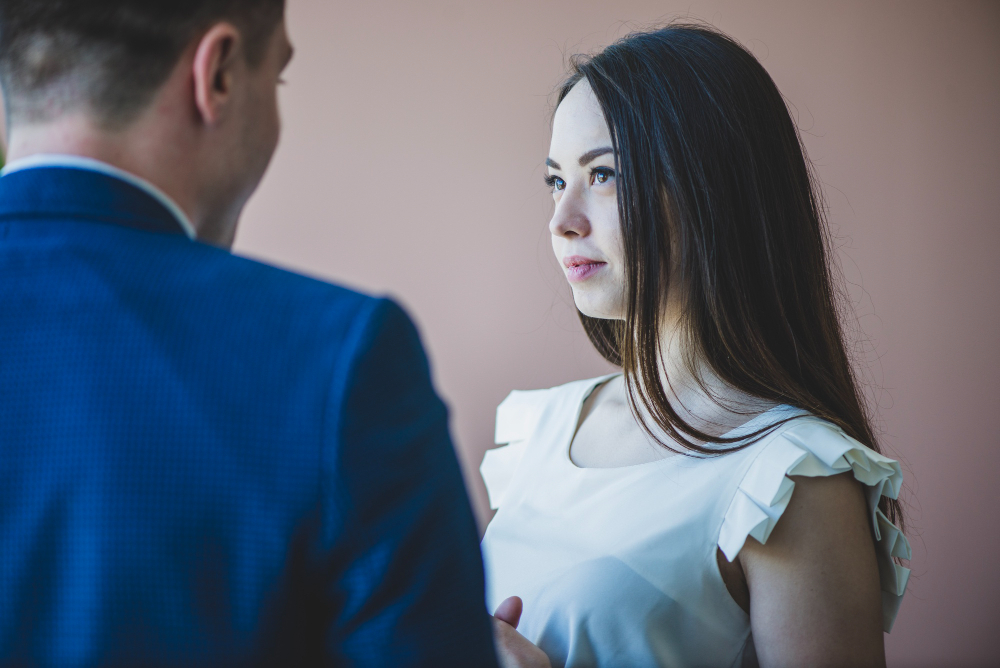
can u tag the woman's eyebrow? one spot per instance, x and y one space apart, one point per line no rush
590 156
585 159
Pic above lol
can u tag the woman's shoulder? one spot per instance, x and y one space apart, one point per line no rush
518 417
812 447
519 413
806 445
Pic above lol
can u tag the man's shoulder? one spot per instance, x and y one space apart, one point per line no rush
224 269
275 295
298 309
225 300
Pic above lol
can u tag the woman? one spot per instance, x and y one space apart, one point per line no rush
722 501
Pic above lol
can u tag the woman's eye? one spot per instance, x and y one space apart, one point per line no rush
555 183
601 175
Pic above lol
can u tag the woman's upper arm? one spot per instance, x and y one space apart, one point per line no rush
815 596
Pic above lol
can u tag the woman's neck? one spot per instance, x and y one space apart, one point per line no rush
696 392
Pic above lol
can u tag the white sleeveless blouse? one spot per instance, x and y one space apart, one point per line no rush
617 566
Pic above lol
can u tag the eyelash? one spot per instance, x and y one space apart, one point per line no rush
551 179
606 170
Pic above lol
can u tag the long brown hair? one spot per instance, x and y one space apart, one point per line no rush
713 183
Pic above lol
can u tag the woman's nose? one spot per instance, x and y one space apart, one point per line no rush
569 218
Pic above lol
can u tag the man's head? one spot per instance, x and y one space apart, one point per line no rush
180 92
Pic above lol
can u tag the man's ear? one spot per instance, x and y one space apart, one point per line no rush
215 60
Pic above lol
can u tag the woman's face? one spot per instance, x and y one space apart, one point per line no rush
586 236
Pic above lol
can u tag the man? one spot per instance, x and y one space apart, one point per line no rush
203 460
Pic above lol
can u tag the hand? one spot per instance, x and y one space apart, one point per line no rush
513 649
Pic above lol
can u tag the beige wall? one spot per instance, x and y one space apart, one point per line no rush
411 164
412 160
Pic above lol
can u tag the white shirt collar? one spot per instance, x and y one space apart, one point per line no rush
79 162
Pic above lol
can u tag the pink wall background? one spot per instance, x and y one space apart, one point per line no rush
411 164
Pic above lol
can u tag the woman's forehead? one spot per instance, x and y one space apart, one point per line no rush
579 123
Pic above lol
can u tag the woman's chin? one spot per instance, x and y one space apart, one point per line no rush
599 310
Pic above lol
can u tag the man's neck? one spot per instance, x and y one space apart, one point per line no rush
135 150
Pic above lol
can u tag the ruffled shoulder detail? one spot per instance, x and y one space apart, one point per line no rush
813 447
517 417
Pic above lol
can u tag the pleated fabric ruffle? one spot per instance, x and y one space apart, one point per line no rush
814 448
517 417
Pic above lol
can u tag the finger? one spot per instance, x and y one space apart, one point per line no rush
516 651
510 610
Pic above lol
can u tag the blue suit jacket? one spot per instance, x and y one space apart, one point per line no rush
208 461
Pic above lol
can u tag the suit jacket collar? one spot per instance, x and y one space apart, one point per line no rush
56 191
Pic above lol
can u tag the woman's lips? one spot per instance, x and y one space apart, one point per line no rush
579 268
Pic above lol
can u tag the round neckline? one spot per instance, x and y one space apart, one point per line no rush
565 450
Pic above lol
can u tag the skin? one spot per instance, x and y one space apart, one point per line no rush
513 649
205 139
812 591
